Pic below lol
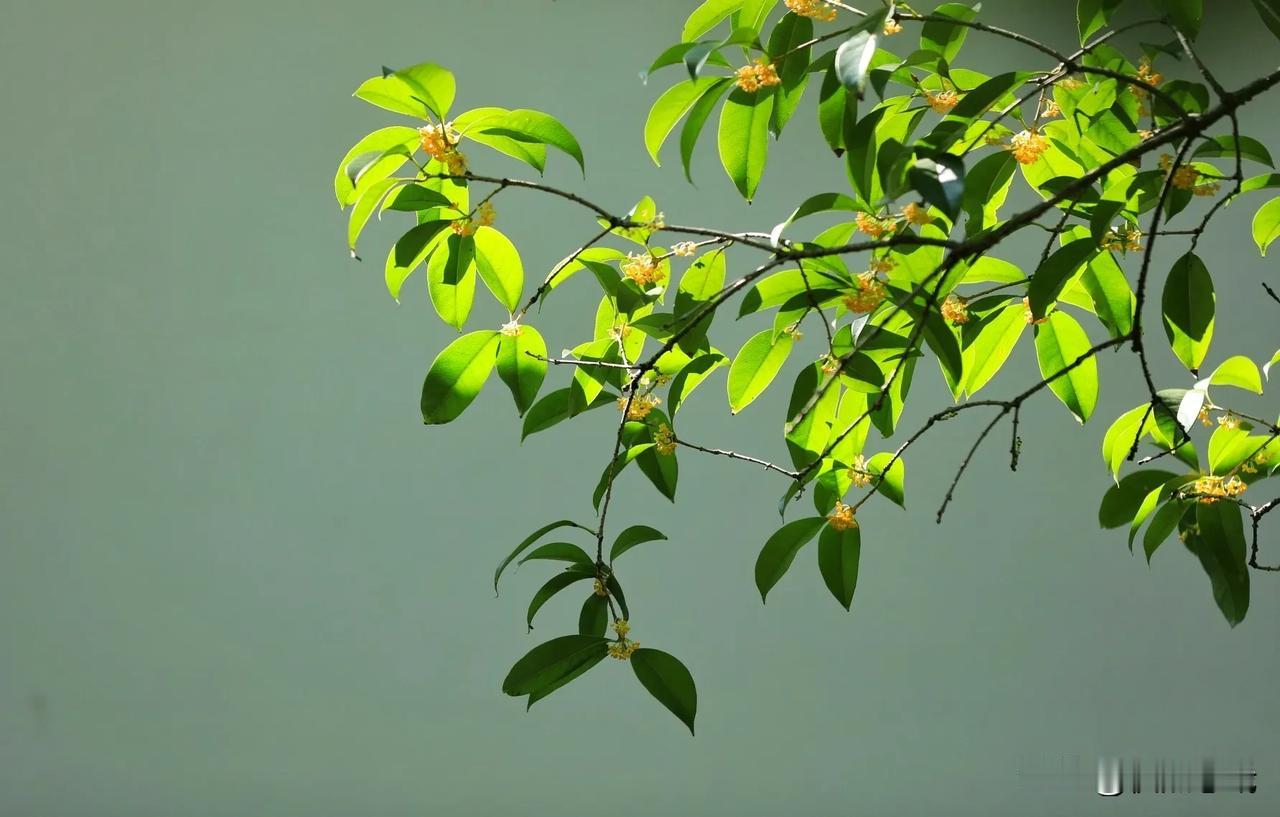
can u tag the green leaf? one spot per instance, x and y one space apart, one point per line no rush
1109 290
838 553
614 468
409 251
559 552
671 107
499 265
1163 522
520 365
451 280
692 374
755 367
1188 306
1120 437
1051 276
807 439
1059 343
554 585
457 375
853 58
693 124
369 200
891 483
940 182
1219 543
792 37
1266 368
668 681
533 154
1269 11
378 155
944 38
594 618
986 187
1092 16
551 661
1184 14
420 91
696 58
1121 501
530 539
743 138
1227 145
991 348
1266 225
415 197
535 126
1238 371
632 536
707 16
554 407
780 551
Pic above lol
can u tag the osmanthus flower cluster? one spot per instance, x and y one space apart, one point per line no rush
1116 145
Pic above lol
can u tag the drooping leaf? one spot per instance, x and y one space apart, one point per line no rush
457 375
1121 501
1060 343
743 138
574 574
594 618
550 661
891 483
780 551
1051 276
499 266
670 108
988 352
755 367
1219 543
451 279
668 681
838 553
1188 307
522 365
1266 225
554 407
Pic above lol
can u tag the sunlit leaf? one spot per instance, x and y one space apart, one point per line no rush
457 375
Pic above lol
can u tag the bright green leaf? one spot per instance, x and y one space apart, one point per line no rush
457 375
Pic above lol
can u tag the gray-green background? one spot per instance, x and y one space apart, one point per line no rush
239 577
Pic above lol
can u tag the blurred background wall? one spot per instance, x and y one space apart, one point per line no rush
238 576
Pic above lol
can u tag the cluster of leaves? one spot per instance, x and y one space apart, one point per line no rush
1103 149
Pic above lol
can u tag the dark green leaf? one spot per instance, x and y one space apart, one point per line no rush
632 536
838 553
667 680
549 662
780 551
554 585
529 540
